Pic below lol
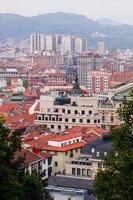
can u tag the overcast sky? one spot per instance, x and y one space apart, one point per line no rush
119 10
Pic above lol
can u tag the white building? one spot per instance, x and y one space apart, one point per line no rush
50 42
101 47
60 112
67 44
37 42
80 45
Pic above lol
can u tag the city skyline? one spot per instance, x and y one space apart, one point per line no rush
118 10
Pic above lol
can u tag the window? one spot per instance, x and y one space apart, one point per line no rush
49 110
105 153
69 112
62 144
73 171
66 153
60 119
83 112
39 118
52 126
53 119
44 172
59 127
90 112
88 172
92 150
103 118
76 112
81 120
71 153
78 171
73 120
42 110
88 121
56 164
99 165
98 120
66 119
56 110
66 127
74 103
77 140
63 110
46 118
83 172
112 119
98 154
95 121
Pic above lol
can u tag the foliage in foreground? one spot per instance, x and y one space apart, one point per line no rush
116 181
15 184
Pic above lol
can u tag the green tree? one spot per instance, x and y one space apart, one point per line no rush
15 184
116 181
25 83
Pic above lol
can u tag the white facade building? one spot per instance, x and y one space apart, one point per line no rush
80 45
37 42
67 44
101 47
50 43
62 112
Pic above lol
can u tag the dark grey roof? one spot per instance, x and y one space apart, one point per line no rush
101 145
71 182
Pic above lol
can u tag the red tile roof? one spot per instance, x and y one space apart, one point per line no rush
65 148
7 107
67 136
88 133
28 156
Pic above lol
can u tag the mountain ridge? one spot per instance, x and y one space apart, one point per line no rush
20 27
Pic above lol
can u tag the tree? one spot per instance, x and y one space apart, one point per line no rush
116 181
25 83
15 184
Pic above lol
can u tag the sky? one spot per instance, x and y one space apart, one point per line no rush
118 10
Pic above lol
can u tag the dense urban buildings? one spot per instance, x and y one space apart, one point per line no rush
66 44
64 97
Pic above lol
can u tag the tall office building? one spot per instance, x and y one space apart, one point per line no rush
101 47
80 45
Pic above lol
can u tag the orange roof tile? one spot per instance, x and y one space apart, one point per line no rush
67 136
65 148
6 107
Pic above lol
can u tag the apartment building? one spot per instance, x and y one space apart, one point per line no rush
37 42
80 45
67 44
86 63
99 82
90 161
50 42
64 44
36 163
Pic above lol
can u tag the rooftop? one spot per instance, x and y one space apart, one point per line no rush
71 182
